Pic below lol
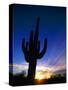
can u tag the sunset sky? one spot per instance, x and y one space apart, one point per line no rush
52 26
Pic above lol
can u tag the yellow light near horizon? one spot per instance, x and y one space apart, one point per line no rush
40 76
48 76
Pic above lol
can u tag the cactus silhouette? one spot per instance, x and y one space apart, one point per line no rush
32 51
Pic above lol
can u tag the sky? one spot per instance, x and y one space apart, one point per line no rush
52 26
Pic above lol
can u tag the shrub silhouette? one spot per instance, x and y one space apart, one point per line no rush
32 52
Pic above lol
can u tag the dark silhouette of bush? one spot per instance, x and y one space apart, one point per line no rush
20 79
59 78
32 52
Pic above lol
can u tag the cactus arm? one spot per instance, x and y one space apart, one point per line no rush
27 46
25 49
41 54
31 41
26 57
36 34
23 45
27 52
37 26
38 46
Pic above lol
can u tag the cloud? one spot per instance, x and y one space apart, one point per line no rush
18 68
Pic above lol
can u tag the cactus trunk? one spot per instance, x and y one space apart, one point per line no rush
32 69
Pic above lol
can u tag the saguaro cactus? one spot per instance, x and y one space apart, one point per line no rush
32 52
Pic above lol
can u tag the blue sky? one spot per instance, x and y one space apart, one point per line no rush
52 26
